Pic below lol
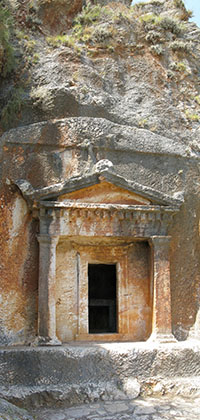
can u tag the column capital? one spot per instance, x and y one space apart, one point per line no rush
48 239
160 245
159 239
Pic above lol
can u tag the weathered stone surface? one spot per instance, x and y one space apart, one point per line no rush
134 320
132 387
58 15
108 97
74 374
141 409
9 411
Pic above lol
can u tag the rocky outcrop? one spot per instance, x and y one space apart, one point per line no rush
103 81
57 15
11 412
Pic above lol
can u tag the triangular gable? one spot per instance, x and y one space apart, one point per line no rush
104 192
101 175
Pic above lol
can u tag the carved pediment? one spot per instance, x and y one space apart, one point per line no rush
101 186
104 193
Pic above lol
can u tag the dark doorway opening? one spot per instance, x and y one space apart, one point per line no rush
102 298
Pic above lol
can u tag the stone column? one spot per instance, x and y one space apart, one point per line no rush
46 290
161 322
194 333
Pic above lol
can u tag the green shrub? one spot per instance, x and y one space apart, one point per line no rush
35 58
197 99
186 14
87 29
191 116
149 18
61 2
152 21
157 49
7 61
143 123
42 97
12 109
157 3
178 66
153 37
181 46
89 14
29 47
170 24
179 3
181 67
144 3
58 40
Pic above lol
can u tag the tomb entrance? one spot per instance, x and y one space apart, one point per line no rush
102 297
104 269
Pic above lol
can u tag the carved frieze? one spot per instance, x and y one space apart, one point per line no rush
124 217
88 219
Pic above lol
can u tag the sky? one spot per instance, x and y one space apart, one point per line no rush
193 5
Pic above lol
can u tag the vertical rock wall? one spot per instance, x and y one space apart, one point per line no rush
121 85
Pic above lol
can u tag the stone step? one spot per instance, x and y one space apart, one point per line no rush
78 373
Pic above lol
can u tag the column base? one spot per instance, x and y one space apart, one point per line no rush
194 334
48 341
162 338
194 337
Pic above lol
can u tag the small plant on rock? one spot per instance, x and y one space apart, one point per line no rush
149 18
157 49
197 99
185 14
90 14
179 3
153 37
156 2
181 46
192 116
12 109
143 123
178 66
171 24
7 60
58 40
42 97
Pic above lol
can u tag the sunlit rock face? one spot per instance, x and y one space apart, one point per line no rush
106 81
105 2
8 410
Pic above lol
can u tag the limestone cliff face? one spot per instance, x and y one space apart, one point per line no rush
103 80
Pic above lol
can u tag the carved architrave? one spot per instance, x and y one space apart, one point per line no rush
101 209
